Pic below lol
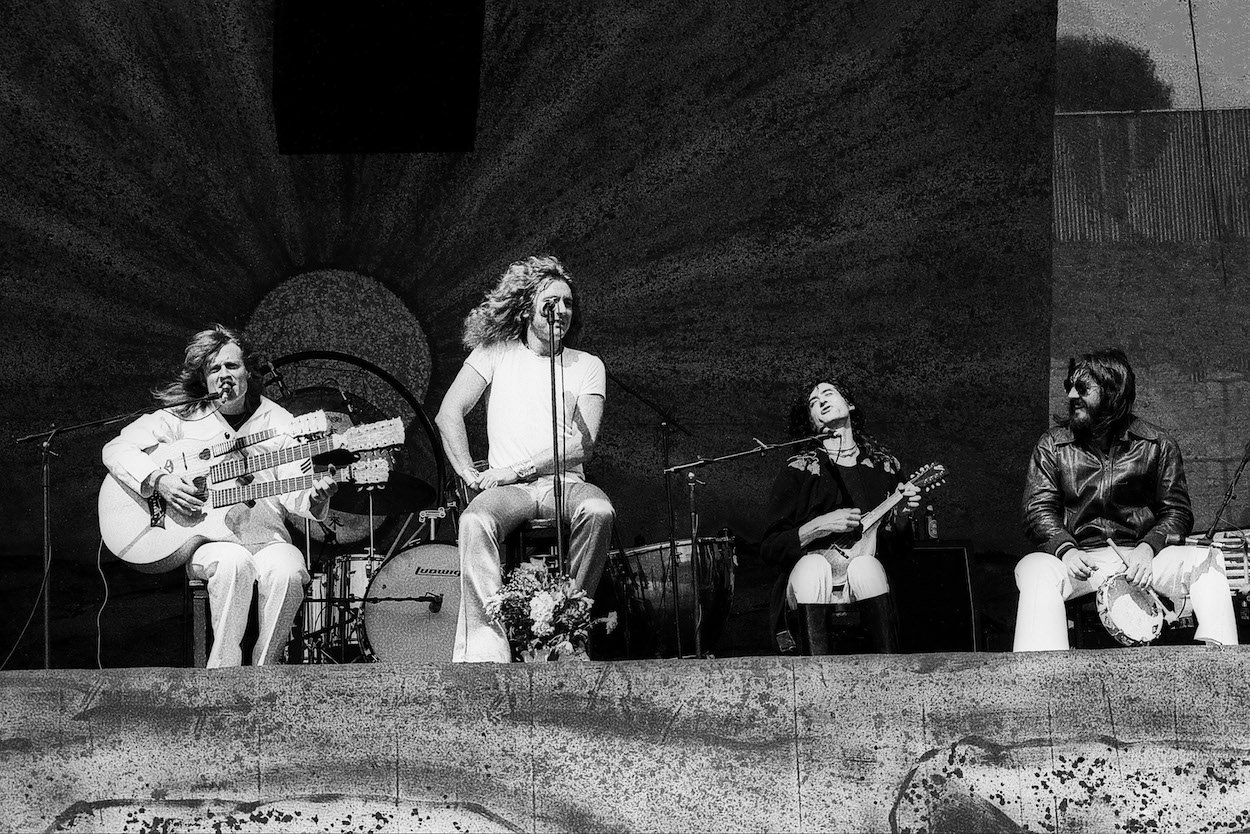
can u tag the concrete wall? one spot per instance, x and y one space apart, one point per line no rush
1184 329
746 192
1129 740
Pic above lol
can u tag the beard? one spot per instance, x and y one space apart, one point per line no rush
1082 422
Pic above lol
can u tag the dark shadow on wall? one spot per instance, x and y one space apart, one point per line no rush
744 192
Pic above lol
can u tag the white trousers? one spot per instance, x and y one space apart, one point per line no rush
1178 572
811 581
488 520
231 570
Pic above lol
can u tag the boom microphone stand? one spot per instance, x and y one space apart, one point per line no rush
760 448
1228 497
46 455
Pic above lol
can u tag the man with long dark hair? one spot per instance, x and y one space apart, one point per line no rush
220 361
1105 474
818 497
510 338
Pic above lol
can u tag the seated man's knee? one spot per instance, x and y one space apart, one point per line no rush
1038 568
598 510
810 580
283 564
475 521
226 561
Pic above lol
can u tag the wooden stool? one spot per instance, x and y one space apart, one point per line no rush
197 627
195 618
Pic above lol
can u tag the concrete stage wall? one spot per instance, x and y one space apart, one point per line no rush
1132 740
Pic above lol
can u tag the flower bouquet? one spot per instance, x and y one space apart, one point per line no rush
544 615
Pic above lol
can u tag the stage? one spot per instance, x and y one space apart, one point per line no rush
1125 739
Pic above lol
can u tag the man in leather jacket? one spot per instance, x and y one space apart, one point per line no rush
1105 475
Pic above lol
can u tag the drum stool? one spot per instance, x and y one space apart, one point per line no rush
195 616
534 539
198 630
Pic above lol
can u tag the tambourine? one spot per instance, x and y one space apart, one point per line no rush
1133 616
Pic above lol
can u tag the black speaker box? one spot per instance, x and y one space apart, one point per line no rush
376 76
933 593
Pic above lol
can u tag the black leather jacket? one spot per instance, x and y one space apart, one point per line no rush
1135 493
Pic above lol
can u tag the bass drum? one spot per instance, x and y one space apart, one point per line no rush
400 629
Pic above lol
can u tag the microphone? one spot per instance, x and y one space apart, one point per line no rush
216 395
272 370
436 604
549 308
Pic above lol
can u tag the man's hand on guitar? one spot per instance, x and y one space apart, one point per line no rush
908 508
180 494
499 476
835 521
324 488
1077 563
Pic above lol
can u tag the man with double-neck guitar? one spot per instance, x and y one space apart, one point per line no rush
826 522
254 547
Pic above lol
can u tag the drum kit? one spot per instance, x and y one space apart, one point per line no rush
400 604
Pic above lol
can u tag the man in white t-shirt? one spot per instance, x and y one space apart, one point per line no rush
510 341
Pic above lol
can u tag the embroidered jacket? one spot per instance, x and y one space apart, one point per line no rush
810 485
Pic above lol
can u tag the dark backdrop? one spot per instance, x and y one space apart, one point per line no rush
744 190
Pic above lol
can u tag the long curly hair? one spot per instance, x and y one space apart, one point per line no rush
1111 370
191 379
800 418
505 312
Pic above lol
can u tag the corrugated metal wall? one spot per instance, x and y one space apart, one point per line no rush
1144 176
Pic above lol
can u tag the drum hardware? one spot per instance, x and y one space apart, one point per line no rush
1228 497
760 448
655 616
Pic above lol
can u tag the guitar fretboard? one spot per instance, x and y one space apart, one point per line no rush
241 442
229 469
267 489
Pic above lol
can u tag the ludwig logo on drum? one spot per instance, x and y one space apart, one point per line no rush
435 571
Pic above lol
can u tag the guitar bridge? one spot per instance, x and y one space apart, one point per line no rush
156 511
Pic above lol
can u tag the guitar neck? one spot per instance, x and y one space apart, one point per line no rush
267 489
242 442
878 512
226 470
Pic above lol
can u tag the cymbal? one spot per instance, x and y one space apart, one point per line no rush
402 493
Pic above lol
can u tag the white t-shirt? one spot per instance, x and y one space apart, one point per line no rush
518 405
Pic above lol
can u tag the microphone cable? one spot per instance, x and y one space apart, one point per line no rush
25 626
99 631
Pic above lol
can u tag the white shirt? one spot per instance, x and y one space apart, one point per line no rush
518 406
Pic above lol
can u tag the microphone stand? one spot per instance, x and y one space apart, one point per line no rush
46 454
557 486
760 448
667 424
1228 497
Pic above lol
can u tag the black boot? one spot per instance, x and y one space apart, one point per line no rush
814 621
881 623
